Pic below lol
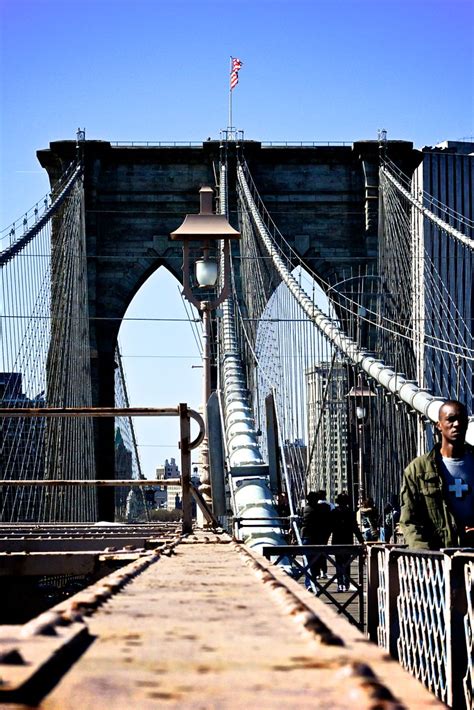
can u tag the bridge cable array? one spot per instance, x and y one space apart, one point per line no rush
394 382
264 267
45 352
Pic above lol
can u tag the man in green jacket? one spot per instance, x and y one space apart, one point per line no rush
437 494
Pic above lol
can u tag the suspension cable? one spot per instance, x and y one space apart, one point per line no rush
394 382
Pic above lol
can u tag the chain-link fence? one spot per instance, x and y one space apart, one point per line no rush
420 609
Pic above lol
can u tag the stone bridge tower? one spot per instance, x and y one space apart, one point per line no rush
324 200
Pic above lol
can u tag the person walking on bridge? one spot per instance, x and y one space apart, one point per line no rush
317 529
437 494
344 528
369 520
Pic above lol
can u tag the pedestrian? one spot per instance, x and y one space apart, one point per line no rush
437 501
369 520
344 528
389 521
317 529
283 505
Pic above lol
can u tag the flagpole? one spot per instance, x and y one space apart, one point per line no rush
229 127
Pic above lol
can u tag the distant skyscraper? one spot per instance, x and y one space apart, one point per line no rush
327 427
21 452
172 493
123 471
446 173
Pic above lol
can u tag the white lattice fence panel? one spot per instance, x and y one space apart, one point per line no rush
469 630
423 610
382 599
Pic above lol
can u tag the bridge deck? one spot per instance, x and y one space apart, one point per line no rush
215 626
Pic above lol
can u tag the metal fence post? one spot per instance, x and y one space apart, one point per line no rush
393 590
457 640
372 589
468 681
185 431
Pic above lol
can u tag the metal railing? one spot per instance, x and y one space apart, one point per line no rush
182 411
304 144
420 609
157 144
198 144
24 228
339 561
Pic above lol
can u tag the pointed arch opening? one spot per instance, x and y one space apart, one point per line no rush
160 346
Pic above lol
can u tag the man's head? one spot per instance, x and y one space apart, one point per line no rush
452 424
343 499
314 497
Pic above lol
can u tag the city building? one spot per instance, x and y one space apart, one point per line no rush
21 451
170 495
445 174
123 471
327 387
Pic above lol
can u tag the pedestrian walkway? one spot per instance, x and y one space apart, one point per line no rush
214 626
329 592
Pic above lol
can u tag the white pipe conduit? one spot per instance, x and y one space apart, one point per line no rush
406 390
250 492
240 431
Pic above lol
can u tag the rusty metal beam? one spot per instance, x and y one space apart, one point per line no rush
291 649
40 564
182 410
186 445
206 511
90 528
100 483
29 658
90 412
65 544
68 537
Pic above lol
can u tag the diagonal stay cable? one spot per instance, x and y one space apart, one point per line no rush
423 402
426 212
26 238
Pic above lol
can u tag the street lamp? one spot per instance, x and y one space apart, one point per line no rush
206 237
361 395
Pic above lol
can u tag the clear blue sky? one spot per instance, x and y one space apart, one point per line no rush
158 70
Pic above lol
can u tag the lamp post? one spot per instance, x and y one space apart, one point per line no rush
361 414
361 395
206 238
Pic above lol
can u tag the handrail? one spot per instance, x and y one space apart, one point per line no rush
158 144
182 411
89 482
304 144
106 412
194 144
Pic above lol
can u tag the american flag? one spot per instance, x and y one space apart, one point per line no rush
234 72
